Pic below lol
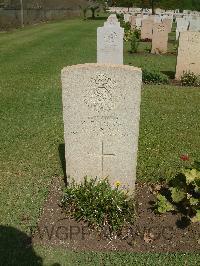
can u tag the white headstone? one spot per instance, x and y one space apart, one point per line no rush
159 39
101 111
194 24
110 42
182 25
127 17
138 22
188 59
112 21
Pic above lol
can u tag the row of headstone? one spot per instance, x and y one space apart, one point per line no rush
175 13
110 43
101 109
136 21
157 31
188 20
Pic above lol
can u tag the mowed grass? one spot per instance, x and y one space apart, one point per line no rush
32 129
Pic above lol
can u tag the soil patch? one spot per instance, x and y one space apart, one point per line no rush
150 233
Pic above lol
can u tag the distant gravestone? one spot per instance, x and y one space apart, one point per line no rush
112 21
138 22
188 53
168 23
157 19
110 42
160 39
101 111
194 24
182 25
147 29
133 22
127 17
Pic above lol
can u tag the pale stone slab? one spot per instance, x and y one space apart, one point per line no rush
182 25
188 59
160 39
168 23
112 21
101 112
138 22
194 24
157 19
110 42
147 29
133 22
127 17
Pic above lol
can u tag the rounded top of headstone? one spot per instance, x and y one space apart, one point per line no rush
105 66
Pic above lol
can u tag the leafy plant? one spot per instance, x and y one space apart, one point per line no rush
127 27
134 41
134 44
183 194
163 205
154 77
137 34
190 79
128 35
97 203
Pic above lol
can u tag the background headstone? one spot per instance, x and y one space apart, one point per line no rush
133 22
127 17
168 23
194 24
110 42
147 29
160 39
188 59
101 112
182 25
138 22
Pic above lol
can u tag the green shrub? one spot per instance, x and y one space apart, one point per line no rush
137 34
134 40
183 194
190 79
154 77
97 203
134 43
128 35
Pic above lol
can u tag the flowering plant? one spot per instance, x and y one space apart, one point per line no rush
99 204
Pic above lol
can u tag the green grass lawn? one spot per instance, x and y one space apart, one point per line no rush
32 130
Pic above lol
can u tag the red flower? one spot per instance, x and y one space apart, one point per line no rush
184 157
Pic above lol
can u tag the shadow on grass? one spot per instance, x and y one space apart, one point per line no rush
61 150
97 18
16 248
170 74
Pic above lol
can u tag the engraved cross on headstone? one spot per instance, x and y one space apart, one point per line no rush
103 155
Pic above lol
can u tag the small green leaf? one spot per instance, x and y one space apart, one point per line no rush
191 175
177 194
196 218
162 205
194 201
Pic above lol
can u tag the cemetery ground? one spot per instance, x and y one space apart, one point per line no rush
31 152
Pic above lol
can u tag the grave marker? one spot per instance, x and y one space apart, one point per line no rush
188 53
110 42
160 39
101 112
